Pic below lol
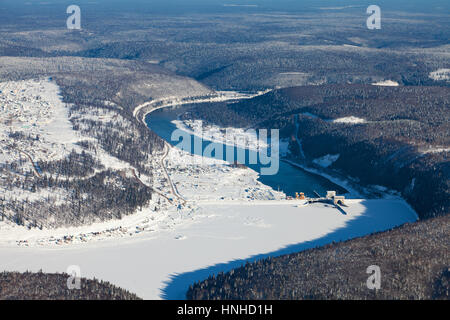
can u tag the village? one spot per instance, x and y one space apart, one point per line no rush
182 182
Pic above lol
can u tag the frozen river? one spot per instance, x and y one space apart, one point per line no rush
215 237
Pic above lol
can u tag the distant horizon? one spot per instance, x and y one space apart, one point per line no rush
229 6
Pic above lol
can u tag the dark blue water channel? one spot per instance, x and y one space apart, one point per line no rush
288 179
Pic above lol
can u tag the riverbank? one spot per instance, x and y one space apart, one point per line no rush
229 218
143 110
193 177
248 139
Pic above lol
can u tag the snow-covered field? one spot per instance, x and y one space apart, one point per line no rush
207 179
386 83
34 108
35 126
194 177
326 160
243 138
346 120
440 75
349 120
218 237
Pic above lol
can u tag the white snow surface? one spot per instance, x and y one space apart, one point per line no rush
349 120
386 83
194 177
243 138
218 237
432 149
326 160
34 107
440 75
346 120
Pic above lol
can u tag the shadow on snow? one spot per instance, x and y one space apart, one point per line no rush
377 217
